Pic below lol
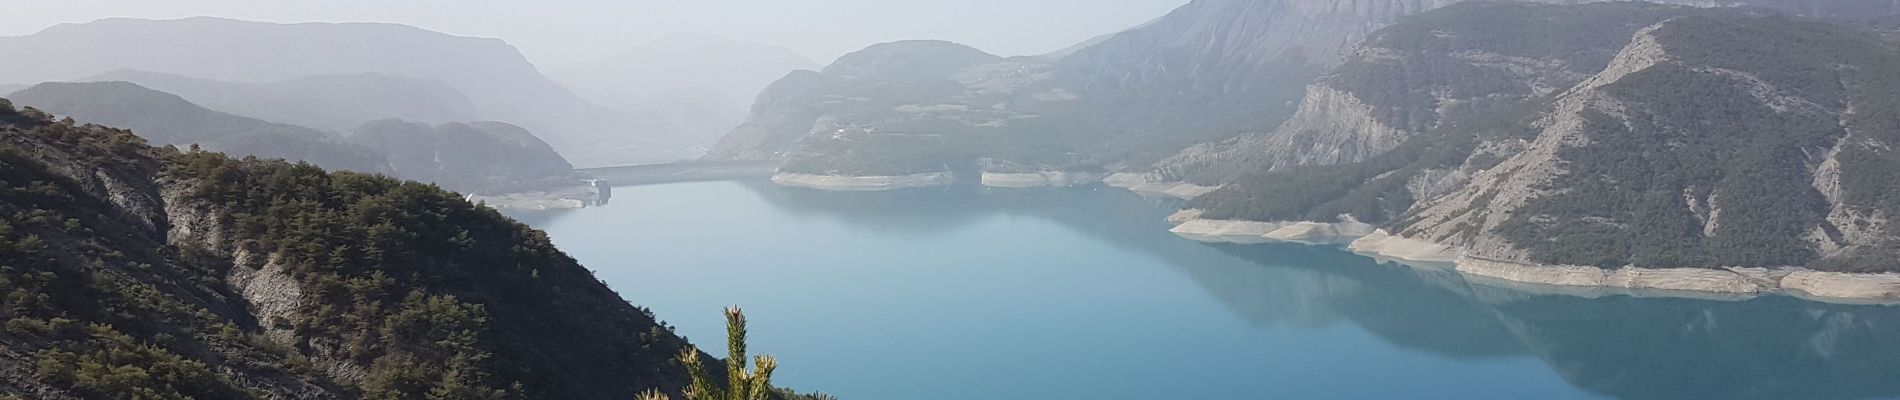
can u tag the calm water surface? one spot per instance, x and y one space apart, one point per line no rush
1082 294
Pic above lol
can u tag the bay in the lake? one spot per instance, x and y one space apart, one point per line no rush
963 293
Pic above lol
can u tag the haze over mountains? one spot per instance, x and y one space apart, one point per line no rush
162 118
476 157
335 103
705 83
273 59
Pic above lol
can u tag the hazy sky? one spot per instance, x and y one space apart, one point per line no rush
561 33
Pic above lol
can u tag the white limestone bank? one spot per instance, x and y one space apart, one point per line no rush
1190 225
862 183
560 199
1038 179
1146 185
1387 245
1726 283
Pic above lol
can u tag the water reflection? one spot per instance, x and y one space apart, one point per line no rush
1627 347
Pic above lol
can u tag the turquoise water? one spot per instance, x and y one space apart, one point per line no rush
1082 294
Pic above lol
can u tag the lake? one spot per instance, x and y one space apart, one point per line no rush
959 293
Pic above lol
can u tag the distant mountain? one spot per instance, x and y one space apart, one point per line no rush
1209 72
1205 72
475 157
704 82
1663 137
336 103
902 106
8 88
163 118
480 157
500 83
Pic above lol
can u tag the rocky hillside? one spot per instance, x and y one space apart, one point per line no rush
1399 118
167 119
335 103
1709 141
142 272
1442 69
478 157
1666 137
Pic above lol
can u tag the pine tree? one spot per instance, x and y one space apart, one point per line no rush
740 384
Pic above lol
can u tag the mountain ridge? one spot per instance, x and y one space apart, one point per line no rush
502 83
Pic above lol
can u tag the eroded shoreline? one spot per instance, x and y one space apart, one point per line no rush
1729 283
1703 283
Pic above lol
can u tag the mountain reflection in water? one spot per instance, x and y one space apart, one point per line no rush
1613 345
